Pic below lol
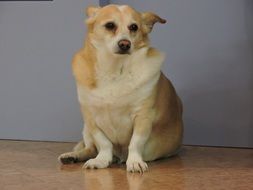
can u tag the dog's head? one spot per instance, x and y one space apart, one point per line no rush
119 29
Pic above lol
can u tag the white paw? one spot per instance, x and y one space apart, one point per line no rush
68 158
96 163
136 166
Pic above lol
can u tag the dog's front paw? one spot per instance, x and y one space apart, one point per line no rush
136 166
96 163
68 158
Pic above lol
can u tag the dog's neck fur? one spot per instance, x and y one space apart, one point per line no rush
130 70
104 63
110 64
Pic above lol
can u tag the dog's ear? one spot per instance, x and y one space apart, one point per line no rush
149 19
92 11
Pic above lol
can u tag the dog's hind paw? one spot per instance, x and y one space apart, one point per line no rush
68 158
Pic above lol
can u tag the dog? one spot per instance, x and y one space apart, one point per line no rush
132 112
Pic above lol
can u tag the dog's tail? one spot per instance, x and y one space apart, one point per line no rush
79 146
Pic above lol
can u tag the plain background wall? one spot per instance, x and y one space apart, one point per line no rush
37 91
209 60
209 46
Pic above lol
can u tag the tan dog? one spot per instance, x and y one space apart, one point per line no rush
131 110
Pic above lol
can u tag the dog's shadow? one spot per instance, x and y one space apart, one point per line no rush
115 177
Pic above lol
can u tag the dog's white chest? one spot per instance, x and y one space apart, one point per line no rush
113 107
116 123
119 94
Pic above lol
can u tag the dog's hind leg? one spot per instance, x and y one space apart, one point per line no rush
80 153
84 150
79 146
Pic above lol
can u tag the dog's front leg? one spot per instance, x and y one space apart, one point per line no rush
141 133
105 151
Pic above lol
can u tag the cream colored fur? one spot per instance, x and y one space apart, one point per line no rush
131 110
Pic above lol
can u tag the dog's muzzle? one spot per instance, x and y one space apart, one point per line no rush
124 46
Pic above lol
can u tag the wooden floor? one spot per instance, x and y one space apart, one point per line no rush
34 165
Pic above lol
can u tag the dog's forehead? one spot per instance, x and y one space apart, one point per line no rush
125 9
118 11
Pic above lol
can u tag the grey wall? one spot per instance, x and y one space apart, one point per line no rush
209 45
37 91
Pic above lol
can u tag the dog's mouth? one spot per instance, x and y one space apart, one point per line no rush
123 52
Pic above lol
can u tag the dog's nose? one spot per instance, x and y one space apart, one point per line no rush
124 45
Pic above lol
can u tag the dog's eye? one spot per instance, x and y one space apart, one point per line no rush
110 26
133 27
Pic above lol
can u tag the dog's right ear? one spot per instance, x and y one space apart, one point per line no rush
92 12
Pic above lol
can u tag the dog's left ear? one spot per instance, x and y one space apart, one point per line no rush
149 19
